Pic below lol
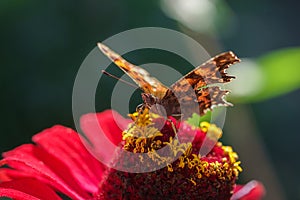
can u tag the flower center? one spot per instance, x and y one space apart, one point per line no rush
182 173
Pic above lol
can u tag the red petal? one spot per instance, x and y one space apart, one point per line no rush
27 189
15 194
61 160
7 174
37 163
66 145
253 190
104 131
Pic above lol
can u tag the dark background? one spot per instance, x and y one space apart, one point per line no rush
43 44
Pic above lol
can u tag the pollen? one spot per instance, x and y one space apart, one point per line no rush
211 130
142 118
182 173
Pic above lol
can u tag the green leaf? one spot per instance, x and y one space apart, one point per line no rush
282 72
196 119
279 74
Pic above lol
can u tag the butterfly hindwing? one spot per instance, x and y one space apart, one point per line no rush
202 82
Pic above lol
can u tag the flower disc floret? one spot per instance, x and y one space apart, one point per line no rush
182 173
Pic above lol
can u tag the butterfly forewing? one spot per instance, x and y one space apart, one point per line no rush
140 76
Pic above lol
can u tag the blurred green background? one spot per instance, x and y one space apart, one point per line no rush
43 44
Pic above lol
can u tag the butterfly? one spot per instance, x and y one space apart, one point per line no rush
196 92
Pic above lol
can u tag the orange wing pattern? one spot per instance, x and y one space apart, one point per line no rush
140 76
203 81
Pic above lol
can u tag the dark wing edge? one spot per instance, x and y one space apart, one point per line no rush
211 72
204 81
215 97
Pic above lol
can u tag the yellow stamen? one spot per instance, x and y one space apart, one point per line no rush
142 137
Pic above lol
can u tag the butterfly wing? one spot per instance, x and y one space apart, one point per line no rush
140 76
203 80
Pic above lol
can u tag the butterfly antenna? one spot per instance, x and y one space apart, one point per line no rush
123 81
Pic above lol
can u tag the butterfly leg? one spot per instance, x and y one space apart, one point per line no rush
138 112
135 116
173 126
174 129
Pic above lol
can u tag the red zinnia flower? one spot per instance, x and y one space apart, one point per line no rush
59 165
